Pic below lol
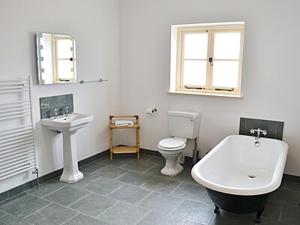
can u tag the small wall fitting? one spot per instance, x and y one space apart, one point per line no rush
151 110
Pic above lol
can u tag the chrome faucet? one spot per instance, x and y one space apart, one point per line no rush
67 109
258 133
56 112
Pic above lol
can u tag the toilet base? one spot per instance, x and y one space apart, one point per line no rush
172 166
172 171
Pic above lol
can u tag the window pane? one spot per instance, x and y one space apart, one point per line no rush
195 45
194 72
227 45
64 48
225 74
65 70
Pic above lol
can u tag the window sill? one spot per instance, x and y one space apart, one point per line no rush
207 94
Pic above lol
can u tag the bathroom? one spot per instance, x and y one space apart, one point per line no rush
128 43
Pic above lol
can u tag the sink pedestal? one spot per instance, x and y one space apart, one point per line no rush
71 172
68 125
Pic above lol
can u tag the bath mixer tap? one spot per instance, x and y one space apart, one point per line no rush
258 133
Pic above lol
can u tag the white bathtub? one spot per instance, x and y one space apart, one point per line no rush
227 168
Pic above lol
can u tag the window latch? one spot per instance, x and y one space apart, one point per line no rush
210 60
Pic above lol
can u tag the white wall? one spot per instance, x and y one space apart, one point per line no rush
270 72
95 26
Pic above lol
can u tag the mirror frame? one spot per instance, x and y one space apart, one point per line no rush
39 59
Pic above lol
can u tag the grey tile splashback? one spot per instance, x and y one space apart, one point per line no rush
274 128
47 105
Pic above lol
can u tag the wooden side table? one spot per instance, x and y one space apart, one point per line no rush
124 149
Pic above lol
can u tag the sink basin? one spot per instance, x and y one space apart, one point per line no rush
73 121
68 125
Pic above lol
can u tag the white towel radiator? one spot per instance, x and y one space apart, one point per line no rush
17 152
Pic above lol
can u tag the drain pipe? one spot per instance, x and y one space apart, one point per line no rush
195 152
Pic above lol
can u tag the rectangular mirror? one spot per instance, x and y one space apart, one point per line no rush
56 58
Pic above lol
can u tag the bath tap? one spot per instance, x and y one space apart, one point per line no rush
258 132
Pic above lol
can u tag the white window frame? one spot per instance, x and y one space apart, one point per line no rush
177 59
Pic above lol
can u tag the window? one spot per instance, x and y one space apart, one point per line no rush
207 59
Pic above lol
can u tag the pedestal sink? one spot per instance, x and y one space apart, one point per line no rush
68 125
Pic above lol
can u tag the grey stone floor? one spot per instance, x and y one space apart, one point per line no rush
130 192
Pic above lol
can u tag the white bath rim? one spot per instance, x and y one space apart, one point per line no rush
260 190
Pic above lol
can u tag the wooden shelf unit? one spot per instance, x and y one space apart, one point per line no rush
124 149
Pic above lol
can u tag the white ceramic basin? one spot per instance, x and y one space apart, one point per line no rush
73 121
68 125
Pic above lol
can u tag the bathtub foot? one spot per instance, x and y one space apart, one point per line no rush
258 215
217 210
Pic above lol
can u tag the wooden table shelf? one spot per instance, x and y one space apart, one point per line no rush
124 149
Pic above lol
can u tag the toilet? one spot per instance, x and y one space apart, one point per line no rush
182 126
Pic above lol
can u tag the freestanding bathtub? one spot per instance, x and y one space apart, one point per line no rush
239 175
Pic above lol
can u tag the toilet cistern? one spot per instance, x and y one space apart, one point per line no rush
68 125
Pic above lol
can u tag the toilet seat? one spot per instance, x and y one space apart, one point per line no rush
172 144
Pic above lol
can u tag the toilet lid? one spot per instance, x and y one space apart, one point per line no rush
172 143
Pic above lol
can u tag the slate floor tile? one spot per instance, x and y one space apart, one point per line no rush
161 203
154 170
226 218
193 212
24 205
161 184
46 188
272 211
51 215
117 162
93 205
124 214
87 179
284 196
267 221
129 193
2 214
134 178
103 186
191 223
66 195
155 218
194 192
293 186
12 220
92 167
137 165
11 199
185 175
110 172
84 220
290 215
160 161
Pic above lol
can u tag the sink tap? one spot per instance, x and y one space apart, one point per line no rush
67 109
56 112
